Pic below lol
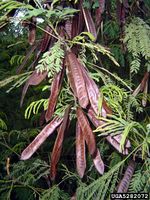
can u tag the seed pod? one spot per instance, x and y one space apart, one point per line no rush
40 138
87 132
98 162
80 151
34 79
124 183
55 89
58 145
99 12
32 31
77 80
46 39
89 22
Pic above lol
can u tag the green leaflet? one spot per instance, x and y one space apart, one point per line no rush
52 60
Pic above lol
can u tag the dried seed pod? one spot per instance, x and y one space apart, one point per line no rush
77 80
99 12
34 79
89 22
55 89
80 151
87 132
92 90
40 138
32 31
25 60
124 183
98 162
46 39
58 145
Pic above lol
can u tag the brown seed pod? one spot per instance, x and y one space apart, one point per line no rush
98 162
87 132
58 145
124 183
34 79
89 22
77 80
55 89
80 151
40 138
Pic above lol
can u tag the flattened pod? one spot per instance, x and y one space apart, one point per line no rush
99 11
68 27
116 145
77 79
55 89
124 183
87 132
34 79
94 94
92 90
58 145
40 138
25 60
80 151
46 39
32 31
98 162
118 139
89 22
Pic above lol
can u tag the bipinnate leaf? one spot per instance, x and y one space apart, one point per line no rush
89 22
76 79
55 156
113 140
124 183
98 162
55 89
34 79
87 132
80 151
40 138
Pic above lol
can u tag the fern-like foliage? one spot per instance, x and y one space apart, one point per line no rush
100 188
141 180
52 60
54 193
137 38
3 124
17 59
35 106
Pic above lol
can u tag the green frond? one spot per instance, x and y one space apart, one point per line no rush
52 60
35 106
137 39
20 79
3 125
17 59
